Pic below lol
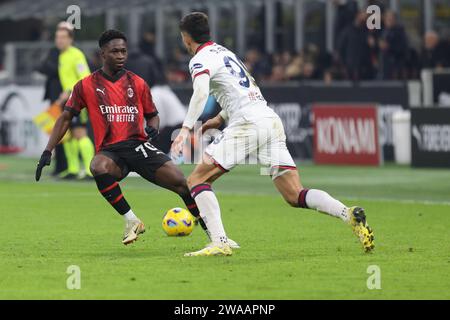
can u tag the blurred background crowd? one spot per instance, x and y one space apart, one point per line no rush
301 52
406 43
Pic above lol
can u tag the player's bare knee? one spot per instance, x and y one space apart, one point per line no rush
98 167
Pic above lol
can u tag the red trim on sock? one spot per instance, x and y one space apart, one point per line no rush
302 198
115 184
196 190
120 196
192 206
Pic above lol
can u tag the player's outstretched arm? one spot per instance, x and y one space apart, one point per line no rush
58 132
196 106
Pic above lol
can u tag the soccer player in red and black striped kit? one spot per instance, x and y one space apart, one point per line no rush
118 101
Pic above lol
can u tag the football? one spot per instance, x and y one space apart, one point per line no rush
178 222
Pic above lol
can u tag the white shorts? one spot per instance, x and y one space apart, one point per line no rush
260 142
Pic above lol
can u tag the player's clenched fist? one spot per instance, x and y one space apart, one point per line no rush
45 160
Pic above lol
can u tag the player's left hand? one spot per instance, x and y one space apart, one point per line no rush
152 133
45 160
178 143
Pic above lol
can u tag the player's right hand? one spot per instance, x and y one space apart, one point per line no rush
45 160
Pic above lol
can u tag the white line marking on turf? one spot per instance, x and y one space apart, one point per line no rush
95 194
26 178
405 201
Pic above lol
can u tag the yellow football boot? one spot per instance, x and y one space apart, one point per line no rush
360 228
213 249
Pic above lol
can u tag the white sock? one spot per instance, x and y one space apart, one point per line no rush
210 212
323 202
130 216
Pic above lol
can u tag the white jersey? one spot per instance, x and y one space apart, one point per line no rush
230 83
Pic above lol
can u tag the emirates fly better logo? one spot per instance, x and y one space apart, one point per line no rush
117 113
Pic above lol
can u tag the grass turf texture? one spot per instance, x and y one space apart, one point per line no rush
286 253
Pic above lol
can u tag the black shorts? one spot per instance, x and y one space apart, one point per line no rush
137 156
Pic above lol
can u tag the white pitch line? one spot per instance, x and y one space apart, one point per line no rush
26 177
405 201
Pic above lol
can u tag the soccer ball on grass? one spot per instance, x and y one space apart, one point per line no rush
178 222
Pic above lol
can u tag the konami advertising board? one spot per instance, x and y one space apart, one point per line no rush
346 134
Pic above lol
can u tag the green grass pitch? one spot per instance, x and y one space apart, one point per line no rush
286 253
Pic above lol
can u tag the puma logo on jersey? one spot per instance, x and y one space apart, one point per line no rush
100 90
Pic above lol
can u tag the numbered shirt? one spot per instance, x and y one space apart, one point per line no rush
117 106
230 83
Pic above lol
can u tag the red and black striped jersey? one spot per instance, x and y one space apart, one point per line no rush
116 106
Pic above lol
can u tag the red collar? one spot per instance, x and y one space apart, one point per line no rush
209 43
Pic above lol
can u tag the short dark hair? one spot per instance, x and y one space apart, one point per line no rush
197 26
109 35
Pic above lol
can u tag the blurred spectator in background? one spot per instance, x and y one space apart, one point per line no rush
143 65
294 71
147 47
316 62
355 48
49 68
435 52
257 64
412 64
346 11
393 48
64 66
2 53
72 67
309 71
278 74
147 43
178 66
53 89
95 60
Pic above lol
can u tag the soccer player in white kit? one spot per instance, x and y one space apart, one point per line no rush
254 130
